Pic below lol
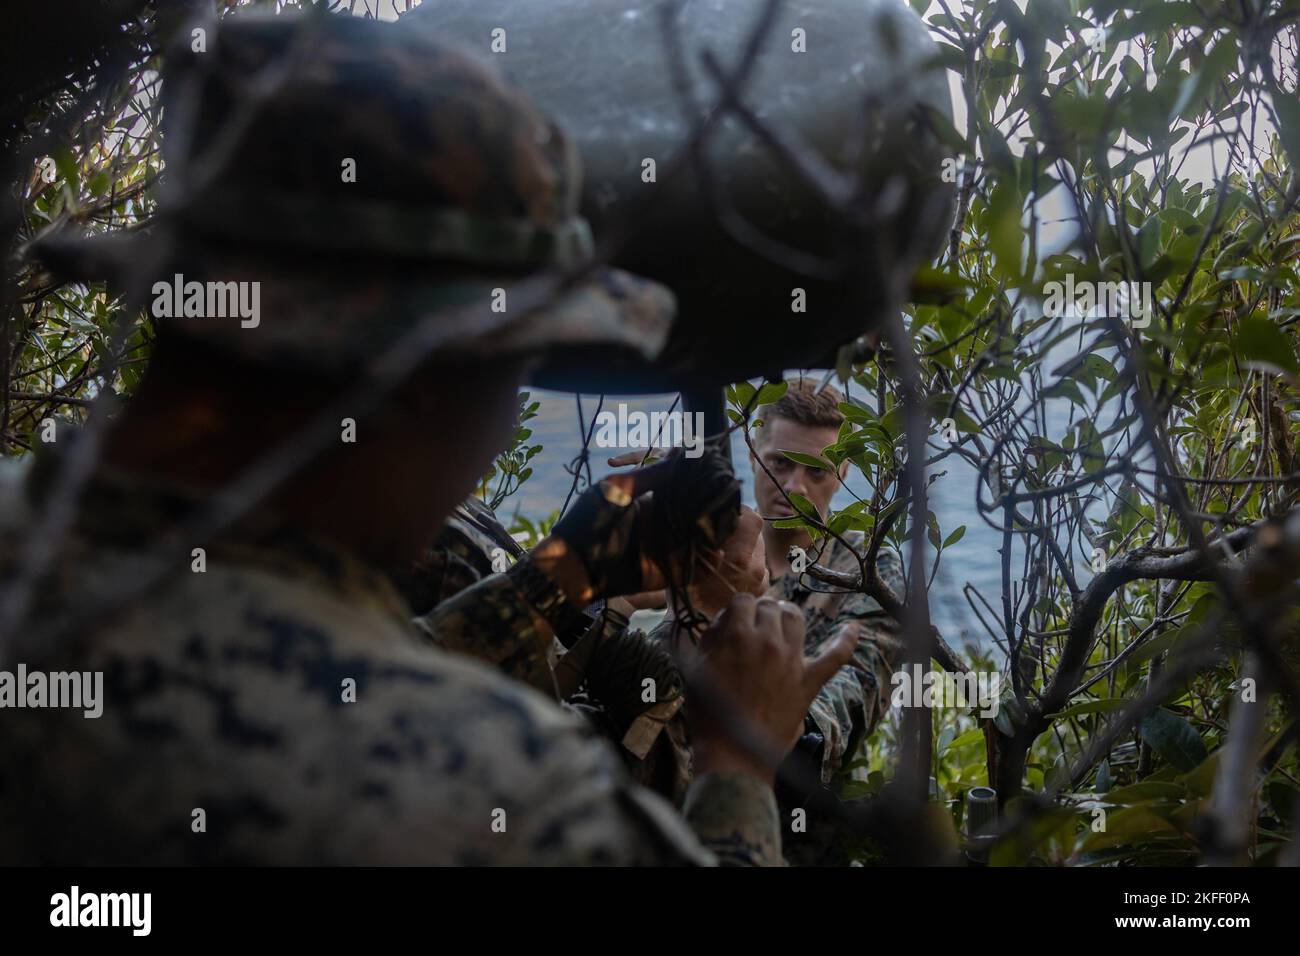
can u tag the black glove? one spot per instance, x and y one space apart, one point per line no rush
626 523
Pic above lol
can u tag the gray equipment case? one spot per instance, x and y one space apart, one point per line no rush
851 80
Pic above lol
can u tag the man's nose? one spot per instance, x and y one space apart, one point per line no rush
795 483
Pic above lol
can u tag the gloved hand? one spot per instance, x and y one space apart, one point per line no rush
632 531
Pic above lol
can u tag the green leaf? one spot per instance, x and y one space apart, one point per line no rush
1006 237
941 125
970 737
856 413
811 461
1200 781
1130 825
771 392
936 286
1173 739
740 394
1145 792
1066 388
1104 778
956 536
804 506
66 162
951 58
1287 111
1263 343
892 422
1156 646
840 523
1104 705
1149 241
1200 83
1154 19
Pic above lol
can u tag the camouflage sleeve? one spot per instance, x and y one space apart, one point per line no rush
493 622
851 704
735 816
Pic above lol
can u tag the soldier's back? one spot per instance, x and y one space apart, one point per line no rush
274 708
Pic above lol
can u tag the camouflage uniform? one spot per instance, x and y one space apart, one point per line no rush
491 623
461 555
526 647
851 704
280 689
227 692
844 713
847 709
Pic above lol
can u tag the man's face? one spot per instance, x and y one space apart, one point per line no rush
453 419
474 412
816 484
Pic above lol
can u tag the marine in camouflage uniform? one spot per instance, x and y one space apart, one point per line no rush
226 692
849 707
600 680
653 739
853 702
274 705
846 711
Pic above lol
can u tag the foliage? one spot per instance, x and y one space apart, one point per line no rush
87 146
528 531
1145 142
511 469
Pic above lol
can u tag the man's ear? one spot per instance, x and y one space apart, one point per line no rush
844 469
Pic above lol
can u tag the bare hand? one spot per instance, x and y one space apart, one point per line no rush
753 659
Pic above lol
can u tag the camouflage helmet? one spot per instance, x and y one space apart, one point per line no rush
362 177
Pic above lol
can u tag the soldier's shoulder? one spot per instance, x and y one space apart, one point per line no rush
311 727
447 759
890 567
503 775
841 553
